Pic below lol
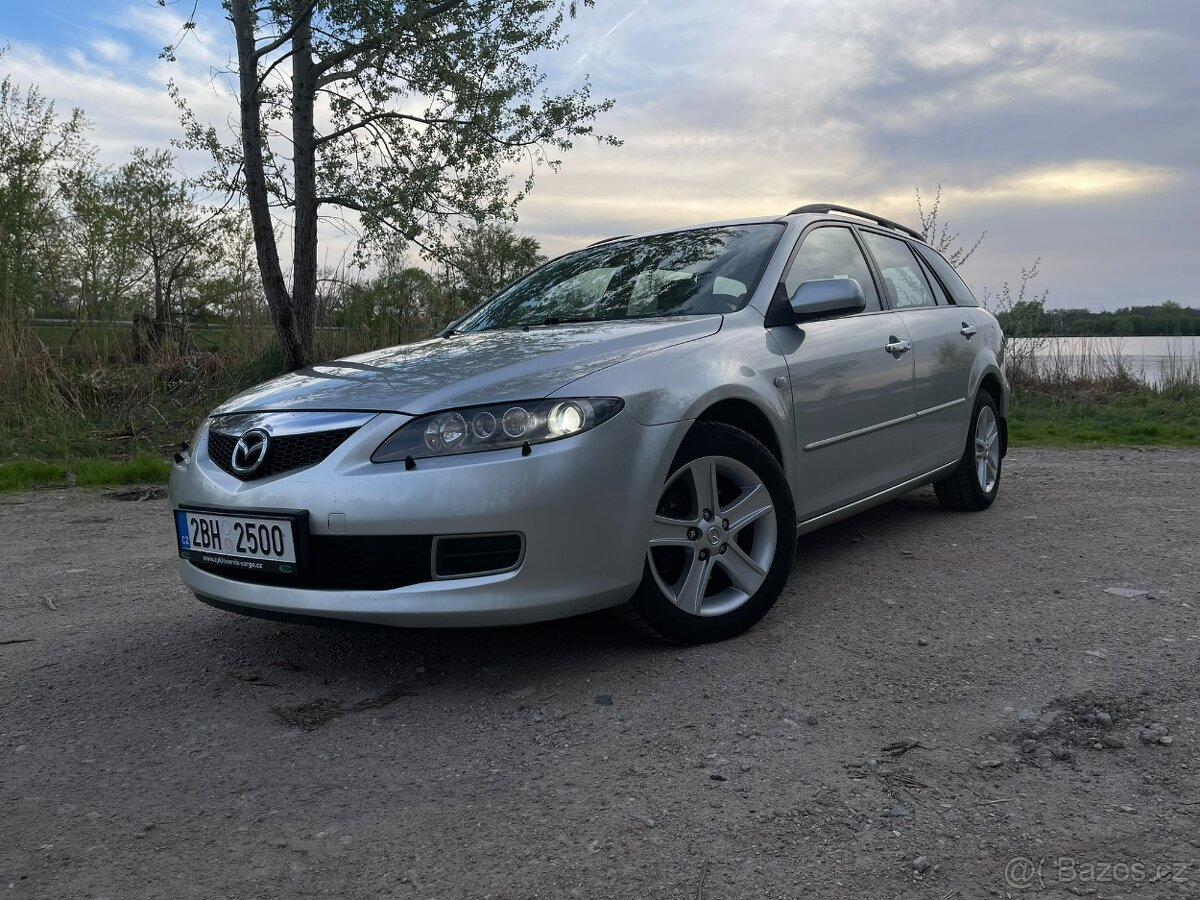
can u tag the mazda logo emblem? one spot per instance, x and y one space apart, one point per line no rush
250 451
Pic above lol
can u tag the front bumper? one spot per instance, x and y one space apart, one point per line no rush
583 505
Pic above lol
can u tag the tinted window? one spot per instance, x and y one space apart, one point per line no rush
831 253
683 273
900 270
958 290
938 293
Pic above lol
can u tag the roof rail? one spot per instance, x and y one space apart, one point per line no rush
878 220
608 240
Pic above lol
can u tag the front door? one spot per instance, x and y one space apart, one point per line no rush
851 380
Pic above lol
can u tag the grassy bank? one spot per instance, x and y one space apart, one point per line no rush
88 414
1100 400
24 474
1141 419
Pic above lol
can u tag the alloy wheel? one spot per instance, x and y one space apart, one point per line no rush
713 537
987 449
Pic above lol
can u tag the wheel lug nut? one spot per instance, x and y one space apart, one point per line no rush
724 547
725 524
708 515
703 555
693 533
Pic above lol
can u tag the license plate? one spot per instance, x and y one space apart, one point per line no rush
253 543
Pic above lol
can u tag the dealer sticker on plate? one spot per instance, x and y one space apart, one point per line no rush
236 542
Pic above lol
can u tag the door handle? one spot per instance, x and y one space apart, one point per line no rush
897 347
968 331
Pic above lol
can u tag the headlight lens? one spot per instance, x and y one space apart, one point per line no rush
495 427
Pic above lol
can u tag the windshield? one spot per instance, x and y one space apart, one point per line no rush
684 273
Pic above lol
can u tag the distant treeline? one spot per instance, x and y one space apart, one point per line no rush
1032 319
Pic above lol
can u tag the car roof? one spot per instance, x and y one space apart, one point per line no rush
810 211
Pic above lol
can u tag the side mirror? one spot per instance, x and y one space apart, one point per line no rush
828 296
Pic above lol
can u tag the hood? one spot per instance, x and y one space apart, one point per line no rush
468 369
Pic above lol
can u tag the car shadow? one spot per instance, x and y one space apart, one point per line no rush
554 649
302 677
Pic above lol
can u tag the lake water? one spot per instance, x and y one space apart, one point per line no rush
1149 358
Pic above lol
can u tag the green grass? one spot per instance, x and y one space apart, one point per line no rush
86 413
23 474
1143 418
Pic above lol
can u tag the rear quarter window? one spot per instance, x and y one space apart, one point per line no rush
959 292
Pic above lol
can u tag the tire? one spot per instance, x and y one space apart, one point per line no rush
711 578
975 482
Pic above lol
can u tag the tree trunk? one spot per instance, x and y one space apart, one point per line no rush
162 312
274 287
304 254
10 308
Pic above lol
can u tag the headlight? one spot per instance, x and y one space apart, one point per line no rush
495 427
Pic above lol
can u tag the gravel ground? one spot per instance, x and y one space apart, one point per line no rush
151 747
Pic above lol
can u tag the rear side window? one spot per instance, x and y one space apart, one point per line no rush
959 292
938 293
831 252
900 270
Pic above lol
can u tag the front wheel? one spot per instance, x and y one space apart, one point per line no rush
721 541
974 483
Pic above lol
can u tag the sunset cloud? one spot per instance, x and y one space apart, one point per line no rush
1048 124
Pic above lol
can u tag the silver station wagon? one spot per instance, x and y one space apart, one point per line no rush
646 425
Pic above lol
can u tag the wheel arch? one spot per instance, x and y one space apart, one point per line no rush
748 417
992 384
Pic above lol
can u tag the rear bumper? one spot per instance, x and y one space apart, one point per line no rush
583 505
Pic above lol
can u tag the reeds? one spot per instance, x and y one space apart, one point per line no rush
93 393
1093 369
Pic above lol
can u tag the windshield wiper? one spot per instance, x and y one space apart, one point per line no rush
557 320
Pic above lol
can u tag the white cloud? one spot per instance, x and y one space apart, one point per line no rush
128 104
110 51
752 108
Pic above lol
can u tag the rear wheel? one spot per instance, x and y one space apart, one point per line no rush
974 483
722 539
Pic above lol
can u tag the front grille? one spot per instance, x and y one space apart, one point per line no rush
286 452
349 563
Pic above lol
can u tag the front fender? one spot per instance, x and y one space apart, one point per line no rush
678 384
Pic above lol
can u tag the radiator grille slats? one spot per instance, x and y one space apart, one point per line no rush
284 454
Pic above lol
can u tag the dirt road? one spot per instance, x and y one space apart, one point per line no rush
151 747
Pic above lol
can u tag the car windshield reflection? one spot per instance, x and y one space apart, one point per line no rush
684 273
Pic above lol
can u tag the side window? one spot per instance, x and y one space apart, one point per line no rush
832 253
954 284
900 270
938 293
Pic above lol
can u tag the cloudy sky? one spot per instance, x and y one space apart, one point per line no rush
1067 129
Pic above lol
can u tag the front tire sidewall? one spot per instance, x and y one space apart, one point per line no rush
664 617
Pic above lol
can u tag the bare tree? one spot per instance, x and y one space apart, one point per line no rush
937 231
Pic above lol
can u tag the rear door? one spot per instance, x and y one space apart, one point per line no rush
943 351
852 397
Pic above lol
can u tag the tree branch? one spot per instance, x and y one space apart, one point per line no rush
384 116
260 52
374 43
